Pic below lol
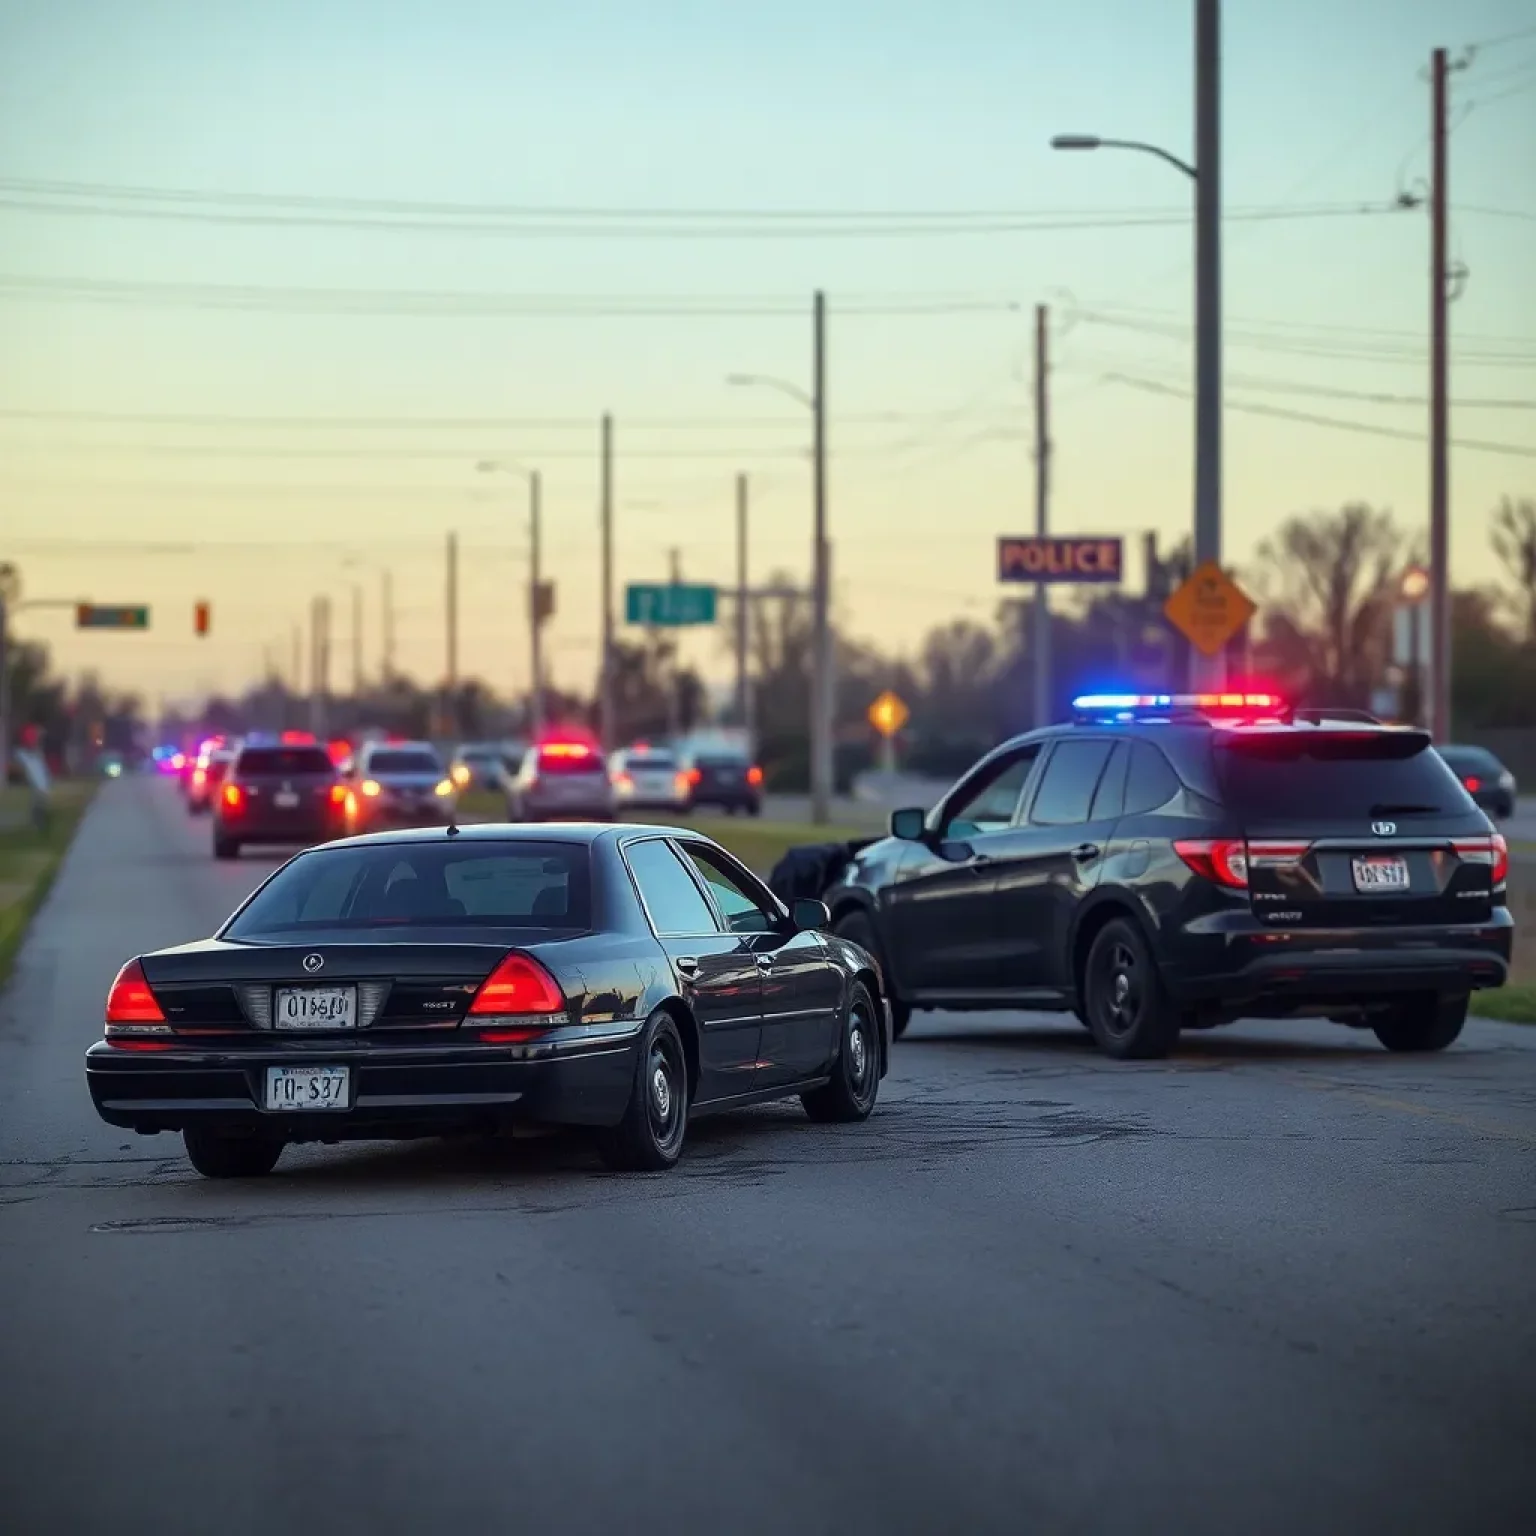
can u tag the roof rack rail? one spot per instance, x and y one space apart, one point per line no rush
1320 716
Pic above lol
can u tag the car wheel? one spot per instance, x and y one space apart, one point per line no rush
217 1156
855 1082
1426 1023
226 848
1130 1014
857 928
649 1139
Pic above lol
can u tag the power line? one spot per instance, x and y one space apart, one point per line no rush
1311 419
1501 40
1498 213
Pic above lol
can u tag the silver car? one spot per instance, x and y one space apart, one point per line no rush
561 781
399 784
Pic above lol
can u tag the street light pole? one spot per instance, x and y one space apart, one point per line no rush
821 692
535 604
1207 672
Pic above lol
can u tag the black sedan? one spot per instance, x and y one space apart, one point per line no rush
440 981
1484 777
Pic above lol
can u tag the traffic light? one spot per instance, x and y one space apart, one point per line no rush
200 618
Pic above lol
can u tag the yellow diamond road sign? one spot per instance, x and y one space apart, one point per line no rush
1209 608
888 714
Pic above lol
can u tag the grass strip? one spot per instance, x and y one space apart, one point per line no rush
1514 1004
29 858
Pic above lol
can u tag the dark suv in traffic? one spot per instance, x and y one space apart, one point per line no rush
1165 863
278 794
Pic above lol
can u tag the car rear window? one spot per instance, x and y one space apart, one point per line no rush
651 762
389 886
258 762
395 761
1337 777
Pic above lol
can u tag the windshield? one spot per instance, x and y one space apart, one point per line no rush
386 887
396 760
258 762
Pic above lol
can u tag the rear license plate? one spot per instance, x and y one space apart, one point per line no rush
1381 874
315 1008
307 1087
285 799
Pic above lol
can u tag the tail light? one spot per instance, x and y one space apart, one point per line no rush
132 1007
199 777
754 776
339 794
234 797
623 781
518 987
692 777
1491 850
372 789
1473 784
1228 860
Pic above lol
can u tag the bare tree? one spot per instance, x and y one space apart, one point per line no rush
1514 542
1329 580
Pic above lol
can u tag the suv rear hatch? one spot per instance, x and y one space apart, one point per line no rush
1354 827
285 785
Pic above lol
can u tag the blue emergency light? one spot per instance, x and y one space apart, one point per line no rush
1161 706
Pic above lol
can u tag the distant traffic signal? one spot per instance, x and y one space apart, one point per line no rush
200 618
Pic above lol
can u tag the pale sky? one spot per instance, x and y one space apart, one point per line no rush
921 110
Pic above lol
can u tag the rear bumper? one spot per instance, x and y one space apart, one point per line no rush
1234 965
309 829
393 1090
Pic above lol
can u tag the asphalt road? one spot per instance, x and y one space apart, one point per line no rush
1281 1283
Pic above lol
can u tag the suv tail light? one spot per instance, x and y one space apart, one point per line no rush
234 797
339 794
518 987
1227 860
132 1007
754 776
1491 850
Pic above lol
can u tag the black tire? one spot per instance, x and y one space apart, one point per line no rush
217 1156
854 1086
1429 1022
857 928
226 848
649 1139
1130 1014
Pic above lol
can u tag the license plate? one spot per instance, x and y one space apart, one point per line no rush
307 1087
285 799
315 1008
1381 874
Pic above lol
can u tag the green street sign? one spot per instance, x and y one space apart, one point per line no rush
104 616
669 605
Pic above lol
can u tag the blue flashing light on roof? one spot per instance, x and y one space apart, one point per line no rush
1152 706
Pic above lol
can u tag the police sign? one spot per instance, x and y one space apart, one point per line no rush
1060 560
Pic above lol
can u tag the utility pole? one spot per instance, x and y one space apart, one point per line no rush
297 642
1042 614
387 623
606 721
450 723
743 685
319 663
1207 671
1439 465
357 641
822 704
674 711
535 599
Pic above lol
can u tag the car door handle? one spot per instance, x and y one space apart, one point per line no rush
687 965
764 962
1086 851
980 861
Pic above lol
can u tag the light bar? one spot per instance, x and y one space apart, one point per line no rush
1115 703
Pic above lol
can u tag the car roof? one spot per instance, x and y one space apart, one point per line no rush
401 746
585 832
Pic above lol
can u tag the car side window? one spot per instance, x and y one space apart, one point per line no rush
989 804
672 897
1151 783
1109 798
742 912
1071 776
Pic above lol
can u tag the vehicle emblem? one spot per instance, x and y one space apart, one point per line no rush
1383 828
312 963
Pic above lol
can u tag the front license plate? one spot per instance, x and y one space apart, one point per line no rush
315 1008
1381 874
285 799
307 1087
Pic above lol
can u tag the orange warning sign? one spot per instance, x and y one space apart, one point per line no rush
1209 608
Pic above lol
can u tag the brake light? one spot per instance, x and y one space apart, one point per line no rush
178 762
1491 850
234 797
131 1005
623 781
754 776
565 749
1223 860
339 794
518 985
1474 783
199 776
692 776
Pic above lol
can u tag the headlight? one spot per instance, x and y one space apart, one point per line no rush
460 776
444 788
1506 780
372 788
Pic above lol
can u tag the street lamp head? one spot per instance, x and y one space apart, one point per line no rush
1415 583
487 466
739 380
1076 141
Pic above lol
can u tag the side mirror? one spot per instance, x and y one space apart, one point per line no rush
909 824
807 913
955 850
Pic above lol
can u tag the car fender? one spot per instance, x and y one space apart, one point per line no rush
1091 913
